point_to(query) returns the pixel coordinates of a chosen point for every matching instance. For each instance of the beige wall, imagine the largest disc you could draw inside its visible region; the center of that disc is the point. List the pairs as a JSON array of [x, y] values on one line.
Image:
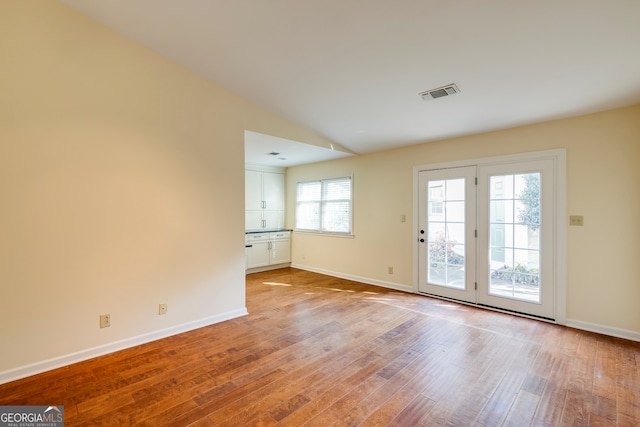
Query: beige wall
[[121, 187], [603, 172]]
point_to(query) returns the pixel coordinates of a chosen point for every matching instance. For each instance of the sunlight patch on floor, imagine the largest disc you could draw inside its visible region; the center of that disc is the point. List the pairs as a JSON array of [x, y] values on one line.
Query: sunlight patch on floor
[[452, 306]]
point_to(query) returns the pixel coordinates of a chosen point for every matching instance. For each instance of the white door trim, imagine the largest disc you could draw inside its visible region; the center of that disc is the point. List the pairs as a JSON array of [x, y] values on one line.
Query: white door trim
[[560, 243]]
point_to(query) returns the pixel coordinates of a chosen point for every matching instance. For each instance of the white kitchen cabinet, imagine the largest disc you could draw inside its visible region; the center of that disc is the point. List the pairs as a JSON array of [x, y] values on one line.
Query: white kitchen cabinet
[[253, 220], [252, 190], [280, 251], [264, 200], [258, 255], [273, 191], [268, 249], [263, 220]]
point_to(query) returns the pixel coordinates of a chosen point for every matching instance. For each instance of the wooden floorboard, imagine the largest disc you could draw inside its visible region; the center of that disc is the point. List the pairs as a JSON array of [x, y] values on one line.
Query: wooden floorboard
[[321, 351]]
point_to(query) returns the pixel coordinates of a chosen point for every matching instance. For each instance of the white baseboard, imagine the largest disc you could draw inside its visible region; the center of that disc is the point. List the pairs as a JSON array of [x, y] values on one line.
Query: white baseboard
[[267, 268], [604, 330], [58, 362], [381, 283]]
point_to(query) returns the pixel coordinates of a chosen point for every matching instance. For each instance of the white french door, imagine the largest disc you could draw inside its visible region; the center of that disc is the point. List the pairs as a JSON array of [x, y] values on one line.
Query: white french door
[[516, 242], [487, 235], [447, 218]]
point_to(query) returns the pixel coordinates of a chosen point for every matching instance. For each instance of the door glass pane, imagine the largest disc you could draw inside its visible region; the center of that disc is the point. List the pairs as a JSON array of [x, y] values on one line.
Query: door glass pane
[[514, 242], [454, 211], [501, 211], [436, 231], [455, 233], [446, 232]]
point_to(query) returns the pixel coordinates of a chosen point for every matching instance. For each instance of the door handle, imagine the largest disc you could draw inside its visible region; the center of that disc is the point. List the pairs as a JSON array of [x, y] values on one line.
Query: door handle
[[421, 240]]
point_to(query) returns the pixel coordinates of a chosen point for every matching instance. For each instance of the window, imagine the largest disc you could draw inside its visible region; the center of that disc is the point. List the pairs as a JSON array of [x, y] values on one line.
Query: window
[[324, 206]]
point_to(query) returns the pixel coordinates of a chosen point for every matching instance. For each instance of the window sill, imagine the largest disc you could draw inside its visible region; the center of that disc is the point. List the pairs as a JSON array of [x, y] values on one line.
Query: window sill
[[326, 234]]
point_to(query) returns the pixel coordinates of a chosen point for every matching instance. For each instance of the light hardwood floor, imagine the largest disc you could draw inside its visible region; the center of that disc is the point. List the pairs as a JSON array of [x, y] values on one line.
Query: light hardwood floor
[[318, 351]]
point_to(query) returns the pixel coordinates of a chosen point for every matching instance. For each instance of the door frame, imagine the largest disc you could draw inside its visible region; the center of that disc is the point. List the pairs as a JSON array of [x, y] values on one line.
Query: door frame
[[560, 217]]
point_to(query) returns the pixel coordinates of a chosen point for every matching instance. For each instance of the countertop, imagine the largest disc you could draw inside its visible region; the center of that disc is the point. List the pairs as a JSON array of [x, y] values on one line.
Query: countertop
[[273, 230]]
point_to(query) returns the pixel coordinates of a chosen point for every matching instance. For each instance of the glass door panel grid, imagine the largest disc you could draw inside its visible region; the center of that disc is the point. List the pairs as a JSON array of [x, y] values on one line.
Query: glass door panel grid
[[446, 232], [514, 236]]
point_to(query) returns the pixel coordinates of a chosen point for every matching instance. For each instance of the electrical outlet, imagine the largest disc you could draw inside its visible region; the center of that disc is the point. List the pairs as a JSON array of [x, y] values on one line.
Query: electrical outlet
[[403, 218], [105, 320], [162, 309], [577, 220], [390, 270]]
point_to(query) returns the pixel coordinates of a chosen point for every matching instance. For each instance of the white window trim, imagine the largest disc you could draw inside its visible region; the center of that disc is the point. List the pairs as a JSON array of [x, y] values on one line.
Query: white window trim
[[349, 234]]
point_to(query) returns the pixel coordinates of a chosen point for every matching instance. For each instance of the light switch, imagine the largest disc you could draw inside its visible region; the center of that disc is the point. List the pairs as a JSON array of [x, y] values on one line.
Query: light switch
[[577, 220]]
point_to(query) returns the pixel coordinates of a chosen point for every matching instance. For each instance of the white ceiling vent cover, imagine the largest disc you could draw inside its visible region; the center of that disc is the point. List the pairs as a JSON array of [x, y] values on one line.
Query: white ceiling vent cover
[[439, 92]]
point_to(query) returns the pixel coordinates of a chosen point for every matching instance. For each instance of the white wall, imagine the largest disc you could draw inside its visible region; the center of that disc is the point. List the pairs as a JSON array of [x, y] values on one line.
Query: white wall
[[603, 152]]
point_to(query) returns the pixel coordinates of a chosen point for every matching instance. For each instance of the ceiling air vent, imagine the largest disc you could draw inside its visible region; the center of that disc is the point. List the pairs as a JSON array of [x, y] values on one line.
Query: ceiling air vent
[[439, 92]]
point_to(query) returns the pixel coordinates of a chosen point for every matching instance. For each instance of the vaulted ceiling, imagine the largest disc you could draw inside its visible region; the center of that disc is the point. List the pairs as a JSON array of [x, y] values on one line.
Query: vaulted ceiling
[[352, 69]]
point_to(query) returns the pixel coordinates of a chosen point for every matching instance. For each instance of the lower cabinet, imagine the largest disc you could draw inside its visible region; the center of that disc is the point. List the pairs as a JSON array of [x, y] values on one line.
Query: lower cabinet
[[280, 251], [257, 254], [268, 249]]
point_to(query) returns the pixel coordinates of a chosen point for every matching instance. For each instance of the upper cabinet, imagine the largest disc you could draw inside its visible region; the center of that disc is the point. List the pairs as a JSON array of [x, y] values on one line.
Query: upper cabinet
[[273, 191], [252, 190], [264, 200]]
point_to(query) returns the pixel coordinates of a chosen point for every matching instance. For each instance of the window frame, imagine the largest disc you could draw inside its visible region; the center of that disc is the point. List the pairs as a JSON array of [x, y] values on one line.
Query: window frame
[[322, 201]]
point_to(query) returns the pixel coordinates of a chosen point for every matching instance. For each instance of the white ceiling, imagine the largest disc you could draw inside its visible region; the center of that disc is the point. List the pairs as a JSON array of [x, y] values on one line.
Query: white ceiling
[[351, 69], [261, 149]]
